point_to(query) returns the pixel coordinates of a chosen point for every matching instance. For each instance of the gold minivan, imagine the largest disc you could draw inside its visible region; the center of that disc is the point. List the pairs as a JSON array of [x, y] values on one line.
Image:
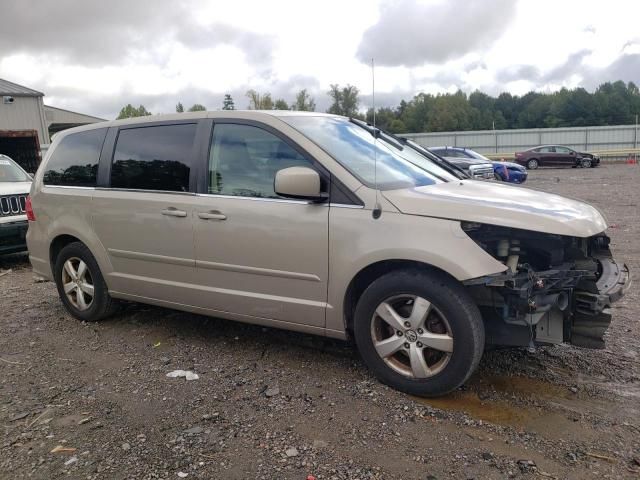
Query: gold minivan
[[320, 224]]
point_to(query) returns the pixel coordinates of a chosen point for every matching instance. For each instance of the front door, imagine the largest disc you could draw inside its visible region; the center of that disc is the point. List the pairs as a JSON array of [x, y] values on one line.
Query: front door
[[565, 156], [258, 254], [145, 219]]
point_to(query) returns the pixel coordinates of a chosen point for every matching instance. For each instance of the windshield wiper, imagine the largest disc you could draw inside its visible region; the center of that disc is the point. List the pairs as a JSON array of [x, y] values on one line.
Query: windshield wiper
[[379, 133], [448, 166]]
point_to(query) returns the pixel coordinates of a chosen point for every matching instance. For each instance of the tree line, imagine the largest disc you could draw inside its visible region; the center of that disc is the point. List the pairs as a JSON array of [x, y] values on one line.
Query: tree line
[[612, 103]]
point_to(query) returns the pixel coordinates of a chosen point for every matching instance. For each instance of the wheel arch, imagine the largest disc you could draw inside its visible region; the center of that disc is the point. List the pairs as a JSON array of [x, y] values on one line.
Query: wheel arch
[[63, 238], [372, 272], [533, 158]]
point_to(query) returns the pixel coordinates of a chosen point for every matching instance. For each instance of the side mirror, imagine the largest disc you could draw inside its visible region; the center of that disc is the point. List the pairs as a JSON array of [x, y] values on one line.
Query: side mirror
[[299, 182]]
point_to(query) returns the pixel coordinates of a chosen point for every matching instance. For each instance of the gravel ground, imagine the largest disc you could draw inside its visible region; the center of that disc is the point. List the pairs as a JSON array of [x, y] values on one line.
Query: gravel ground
[[93, 400]]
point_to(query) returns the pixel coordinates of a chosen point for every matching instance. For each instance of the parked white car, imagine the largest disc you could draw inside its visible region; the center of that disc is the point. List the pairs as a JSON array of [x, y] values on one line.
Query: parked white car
[[14, 189]]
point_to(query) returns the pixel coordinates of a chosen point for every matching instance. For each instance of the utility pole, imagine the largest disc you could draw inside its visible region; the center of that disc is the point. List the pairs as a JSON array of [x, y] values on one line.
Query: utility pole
[[635, 140], [495, 134]]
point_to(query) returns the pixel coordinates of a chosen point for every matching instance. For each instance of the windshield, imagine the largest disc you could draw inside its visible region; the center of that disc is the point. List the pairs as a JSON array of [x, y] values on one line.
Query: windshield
[[11, 172], [476, 155], [355, 148]]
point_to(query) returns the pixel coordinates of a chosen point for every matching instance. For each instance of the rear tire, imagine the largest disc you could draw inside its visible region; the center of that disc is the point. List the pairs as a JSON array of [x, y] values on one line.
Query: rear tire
[[80, 284], [431, 338], [532, 164]]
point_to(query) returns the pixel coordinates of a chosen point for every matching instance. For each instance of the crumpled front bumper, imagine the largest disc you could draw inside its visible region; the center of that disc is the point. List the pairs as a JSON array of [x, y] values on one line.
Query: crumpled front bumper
[[592, 314]]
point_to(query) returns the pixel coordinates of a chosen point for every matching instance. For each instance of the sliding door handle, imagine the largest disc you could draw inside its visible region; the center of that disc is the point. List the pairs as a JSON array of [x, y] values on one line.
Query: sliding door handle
[[212, 215], [174, 212]]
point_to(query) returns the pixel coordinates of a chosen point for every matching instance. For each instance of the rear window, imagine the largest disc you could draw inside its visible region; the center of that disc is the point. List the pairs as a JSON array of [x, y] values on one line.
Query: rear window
[[74, 162], [154, 158]]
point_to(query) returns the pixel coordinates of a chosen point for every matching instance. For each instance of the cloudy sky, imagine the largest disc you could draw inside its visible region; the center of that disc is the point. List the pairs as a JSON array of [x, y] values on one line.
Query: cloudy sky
[[95, 56]]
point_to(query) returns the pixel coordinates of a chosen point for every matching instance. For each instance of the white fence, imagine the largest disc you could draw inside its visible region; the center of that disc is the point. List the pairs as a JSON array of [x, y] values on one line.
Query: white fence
[[611, 142]]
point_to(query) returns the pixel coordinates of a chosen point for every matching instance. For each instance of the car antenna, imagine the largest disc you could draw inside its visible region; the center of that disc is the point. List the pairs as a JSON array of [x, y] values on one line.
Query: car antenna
[[377, 209]]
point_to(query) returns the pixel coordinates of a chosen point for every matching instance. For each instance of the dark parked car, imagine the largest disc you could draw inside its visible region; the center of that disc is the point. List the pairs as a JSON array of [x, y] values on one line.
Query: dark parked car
[[503, 171], [556, 156]]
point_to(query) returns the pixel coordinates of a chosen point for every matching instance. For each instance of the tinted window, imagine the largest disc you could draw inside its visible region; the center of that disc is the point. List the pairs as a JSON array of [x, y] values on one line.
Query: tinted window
[[546, 150], [564, 150], [154, 158], [74, 162], [244, 160]]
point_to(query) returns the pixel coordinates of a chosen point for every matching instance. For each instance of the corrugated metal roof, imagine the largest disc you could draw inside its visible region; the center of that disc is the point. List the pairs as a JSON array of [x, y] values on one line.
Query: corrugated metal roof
[[10, 88]]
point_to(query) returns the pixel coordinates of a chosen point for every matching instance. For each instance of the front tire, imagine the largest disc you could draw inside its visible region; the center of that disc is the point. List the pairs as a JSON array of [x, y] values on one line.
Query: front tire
[[532, 164], [586, 163], [80, 284], [419, 332]]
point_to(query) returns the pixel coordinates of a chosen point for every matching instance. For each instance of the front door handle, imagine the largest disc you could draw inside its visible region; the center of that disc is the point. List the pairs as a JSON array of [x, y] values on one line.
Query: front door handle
[[212, 215], [174, 212]]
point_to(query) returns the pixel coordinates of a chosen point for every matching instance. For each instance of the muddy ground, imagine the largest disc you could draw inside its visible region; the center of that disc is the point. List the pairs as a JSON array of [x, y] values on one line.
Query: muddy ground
[[278, 405]]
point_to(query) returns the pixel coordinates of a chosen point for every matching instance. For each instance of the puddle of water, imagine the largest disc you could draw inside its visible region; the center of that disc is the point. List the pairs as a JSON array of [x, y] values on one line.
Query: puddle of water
[[486, 410], [501, 412]]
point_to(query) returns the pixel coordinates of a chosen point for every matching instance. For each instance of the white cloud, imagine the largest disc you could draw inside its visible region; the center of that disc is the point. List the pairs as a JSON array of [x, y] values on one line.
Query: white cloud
[[94, 59]]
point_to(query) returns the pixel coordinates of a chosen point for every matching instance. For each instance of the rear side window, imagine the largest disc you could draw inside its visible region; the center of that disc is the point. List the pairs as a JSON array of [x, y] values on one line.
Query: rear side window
[[154, 158], [74, 162]]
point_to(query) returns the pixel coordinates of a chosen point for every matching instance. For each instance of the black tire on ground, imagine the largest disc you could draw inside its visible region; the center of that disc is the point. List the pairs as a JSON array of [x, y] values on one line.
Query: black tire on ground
[[496, 176], [449, 298], [101, 305], [586, 163], [532, 164]]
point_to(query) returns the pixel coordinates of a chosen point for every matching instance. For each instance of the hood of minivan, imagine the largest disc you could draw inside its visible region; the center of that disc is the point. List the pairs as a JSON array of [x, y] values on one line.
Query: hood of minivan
[[14, 188], [495, 203]]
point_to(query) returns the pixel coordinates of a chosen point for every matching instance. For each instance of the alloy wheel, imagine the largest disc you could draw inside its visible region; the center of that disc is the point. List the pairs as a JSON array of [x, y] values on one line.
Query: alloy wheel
[[411, 336], [532, 164], [77, 283]]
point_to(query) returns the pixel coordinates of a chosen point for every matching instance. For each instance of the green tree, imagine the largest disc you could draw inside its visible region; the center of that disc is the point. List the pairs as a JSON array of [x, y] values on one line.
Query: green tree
[[197, 107], [179, 108], [281, 105], [129, 111], [227, 103], [258, 101], [345, 100], [304, 102]]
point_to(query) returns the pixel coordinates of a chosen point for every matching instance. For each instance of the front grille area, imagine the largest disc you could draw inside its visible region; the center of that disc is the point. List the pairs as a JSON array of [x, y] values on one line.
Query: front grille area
[[480, 171], [13, 205]]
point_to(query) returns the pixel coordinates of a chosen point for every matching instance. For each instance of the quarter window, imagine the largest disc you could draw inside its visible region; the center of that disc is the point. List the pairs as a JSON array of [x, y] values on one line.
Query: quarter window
[[154, 158], [243, 161], [74, 162]]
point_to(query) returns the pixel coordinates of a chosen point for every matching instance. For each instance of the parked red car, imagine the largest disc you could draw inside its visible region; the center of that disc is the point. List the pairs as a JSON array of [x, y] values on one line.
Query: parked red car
[[556, 156]]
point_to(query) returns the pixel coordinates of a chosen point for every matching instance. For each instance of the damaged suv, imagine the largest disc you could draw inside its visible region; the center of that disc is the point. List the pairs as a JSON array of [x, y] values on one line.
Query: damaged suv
[[320, 224]]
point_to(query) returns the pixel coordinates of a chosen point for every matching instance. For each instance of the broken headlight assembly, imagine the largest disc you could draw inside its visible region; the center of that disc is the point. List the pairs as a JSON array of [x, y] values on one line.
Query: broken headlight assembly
[[555, 288]]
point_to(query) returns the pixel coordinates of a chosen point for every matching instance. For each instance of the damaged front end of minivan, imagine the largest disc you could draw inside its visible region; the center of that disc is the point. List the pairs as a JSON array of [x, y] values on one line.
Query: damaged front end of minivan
[[555, 289]]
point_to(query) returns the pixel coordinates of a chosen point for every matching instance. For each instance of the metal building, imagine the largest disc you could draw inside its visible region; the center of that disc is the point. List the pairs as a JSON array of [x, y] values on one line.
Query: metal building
[[22, 109], [26, 123]]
